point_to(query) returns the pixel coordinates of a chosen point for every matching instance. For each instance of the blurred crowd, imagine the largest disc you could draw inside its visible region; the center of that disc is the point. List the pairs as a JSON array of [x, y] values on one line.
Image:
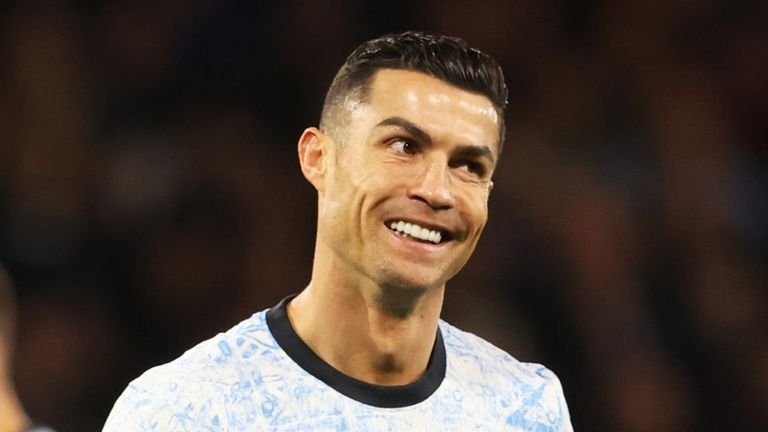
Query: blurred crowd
[[150, 195]]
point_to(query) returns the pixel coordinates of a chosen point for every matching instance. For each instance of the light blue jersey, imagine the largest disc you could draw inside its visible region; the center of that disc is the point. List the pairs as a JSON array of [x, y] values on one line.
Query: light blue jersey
[[259, 376]]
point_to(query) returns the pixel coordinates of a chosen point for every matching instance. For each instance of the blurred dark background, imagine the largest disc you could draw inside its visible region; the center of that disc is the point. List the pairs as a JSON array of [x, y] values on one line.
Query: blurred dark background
[[150, 195]]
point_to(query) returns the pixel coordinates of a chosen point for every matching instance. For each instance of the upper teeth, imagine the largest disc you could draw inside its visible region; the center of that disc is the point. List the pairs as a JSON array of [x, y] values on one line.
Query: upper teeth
[[416, 231]]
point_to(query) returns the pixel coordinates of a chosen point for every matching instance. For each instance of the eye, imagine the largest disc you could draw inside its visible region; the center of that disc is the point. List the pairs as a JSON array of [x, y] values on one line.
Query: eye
[[472, 167], [402, 146]]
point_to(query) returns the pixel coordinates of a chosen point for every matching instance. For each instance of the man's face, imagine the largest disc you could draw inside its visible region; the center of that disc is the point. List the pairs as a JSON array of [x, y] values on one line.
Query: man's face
[[405, 195]]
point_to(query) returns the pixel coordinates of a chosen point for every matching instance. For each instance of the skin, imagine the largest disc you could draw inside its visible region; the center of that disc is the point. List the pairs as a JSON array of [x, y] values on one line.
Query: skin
[[12, 415], [420, 150]]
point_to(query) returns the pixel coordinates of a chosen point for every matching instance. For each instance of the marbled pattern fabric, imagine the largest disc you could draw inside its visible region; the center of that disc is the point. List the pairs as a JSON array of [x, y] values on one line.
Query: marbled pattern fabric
[[242, 380]]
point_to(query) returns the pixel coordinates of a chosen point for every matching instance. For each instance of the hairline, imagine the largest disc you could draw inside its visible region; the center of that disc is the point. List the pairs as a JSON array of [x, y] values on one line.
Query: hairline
[[330, 121]]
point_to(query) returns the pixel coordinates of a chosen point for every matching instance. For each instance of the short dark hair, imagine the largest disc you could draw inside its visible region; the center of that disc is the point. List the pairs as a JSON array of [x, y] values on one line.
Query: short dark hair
[[447, 58]]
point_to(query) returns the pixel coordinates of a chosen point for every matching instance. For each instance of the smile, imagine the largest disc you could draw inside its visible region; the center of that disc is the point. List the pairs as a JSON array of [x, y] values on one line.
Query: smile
[[417, 232]]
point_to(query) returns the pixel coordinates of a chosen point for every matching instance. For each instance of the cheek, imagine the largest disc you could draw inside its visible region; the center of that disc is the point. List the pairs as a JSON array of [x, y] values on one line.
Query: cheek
[[358, 168], [356, 191], [481, 219], [477, 207]]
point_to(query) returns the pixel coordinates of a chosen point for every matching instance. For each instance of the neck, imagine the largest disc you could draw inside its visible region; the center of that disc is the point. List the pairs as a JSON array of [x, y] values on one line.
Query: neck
[[377, 334]]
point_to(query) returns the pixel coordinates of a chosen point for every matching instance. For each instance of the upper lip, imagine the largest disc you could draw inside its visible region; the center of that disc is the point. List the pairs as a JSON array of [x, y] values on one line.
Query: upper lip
[[446, 232]]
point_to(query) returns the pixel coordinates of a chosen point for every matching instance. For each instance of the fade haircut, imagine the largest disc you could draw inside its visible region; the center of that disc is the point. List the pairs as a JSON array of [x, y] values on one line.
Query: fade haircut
[[447, 58]]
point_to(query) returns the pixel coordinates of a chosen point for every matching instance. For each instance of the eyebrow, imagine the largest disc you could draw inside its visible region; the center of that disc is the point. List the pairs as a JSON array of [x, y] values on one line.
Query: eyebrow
[[409, 127], [470, 151]]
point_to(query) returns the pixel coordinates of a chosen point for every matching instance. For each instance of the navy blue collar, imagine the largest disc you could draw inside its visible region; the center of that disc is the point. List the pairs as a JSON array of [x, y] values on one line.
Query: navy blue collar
[[369, 394]]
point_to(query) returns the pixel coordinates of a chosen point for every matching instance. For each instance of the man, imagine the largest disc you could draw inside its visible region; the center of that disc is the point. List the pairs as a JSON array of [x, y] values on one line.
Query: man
[[409, 137], [13, 418]]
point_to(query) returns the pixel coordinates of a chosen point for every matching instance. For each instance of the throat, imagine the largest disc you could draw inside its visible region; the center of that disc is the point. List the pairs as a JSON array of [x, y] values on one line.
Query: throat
[[387, 364], [389, 371]]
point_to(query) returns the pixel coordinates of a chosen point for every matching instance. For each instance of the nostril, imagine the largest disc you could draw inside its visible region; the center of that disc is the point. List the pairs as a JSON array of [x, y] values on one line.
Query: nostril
[[435, 204]]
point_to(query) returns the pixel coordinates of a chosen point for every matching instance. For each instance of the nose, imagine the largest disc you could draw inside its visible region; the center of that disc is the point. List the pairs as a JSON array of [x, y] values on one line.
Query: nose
[[432, 186]]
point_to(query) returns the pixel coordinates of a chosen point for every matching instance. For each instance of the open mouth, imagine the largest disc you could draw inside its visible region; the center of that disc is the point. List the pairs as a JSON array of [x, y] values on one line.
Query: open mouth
[[418, 233]]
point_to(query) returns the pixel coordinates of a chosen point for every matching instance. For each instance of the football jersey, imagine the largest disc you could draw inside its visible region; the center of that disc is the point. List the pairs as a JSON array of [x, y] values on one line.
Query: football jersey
[[260, 376]]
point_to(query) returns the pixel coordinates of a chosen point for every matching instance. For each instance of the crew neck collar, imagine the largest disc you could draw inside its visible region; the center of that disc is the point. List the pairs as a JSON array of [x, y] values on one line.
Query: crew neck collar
[[363, 392]]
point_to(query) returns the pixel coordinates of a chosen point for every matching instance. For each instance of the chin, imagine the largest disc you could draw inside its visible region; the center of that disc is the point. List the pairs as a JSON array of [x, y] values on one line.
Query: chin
[[401, 279], [400, 292]]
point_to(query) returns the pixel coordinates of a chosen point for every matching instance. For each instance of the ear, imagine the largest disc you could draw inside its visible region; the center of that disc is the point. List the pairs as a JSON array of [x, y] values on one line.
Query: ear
[[313, 156]]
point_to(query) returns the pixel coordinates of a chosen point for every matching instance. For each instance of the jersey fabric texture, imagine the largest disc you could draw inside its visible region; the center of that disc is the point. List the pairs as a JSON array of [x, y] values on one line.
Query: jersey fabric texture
[[260, 376]]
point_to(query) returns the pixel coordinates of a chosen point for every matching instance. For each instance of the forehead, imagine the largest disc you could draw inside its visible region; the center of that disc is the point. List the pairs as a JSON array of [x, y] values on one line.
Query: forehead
[[434, 104]]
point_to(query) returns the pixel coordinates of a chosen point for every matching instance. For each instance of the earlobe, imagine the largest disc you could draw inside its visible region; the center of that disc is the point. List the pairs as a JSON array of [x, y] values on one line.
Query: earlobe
[[312, 157]]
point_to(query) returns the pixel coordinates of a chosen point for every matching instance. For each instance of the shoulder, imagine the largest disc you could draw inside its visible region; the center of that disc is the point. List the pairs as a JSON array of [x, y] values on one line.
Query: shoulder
[[191, 390], [474, 352], [530, 391]]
